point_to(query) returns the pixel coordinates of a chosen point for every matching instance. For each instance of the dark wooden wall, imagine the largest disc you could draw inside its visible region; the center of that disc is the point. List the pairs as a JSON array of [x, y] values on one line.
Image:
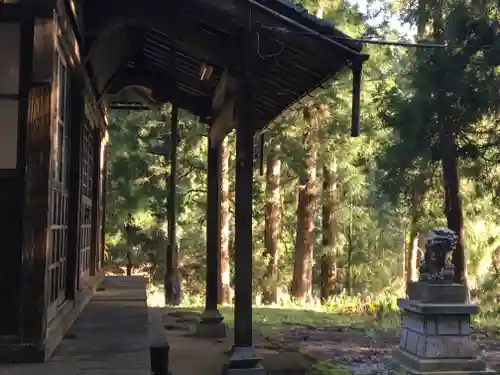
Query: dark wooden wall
[[12, 193], [24, 193], [11, 199]]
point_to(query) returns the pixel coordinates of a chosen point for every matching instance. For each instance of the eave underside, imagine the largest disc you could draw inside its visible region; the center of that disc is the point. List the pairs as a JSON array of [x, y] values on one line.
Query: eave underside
[[162, 46]]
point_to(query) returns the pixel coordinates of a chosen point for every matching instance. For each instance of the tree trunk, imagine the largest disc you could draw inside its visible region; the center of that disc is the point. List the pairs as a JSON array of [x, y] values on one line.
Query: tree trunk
[[417, 199], [449, 162], [453, 205], [349, 280], [129, 264], [272, 224], [302, 270], [225, 290], [411, 265], [328, 259]]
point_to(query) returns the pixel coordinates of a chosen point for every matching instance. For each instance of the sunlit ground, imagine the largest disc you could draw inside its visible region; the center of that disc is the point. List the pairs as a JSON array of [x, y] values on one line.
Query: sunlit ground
[[339, 336], [268, 318], [279, 316]]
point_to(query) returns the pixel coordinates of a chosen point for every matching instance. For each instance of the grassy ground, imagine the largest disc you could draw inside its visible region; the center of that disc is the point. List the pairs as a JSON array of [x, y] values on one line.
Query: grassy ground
[[343, 332], [268, 317], [277, 317]]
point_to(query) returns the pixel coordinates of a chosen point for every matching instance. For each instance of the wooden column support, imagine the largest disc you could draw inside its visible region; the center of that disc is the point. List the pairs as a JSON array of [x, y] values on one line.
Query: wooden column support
[[171, 143], [37, 170], [104, 182], [211, 320], [244, 355], [213, 225], [96, 174], [243, 234], [77, 115]]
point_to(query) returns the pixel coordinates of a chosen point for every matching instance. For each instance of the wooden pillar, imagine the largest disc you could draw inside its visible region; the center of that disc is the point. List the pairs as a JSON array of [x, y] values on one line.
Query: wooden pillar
[[96, 178], [244, 356], [243, 235], [210, 324], [77, 115], [213, 226], [36, 206], [104, 181], [170, 288]]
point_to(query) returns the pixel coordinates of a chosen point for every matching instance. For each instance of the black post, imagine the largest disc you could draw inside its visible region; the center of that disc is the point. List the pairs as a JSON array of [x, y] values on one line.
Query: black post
[[213, 227], [210, 324], [96, 202], [244, 355], [104, 186], [356, 96], [243, 236], [356, 66], [170, 292], [77, 116]]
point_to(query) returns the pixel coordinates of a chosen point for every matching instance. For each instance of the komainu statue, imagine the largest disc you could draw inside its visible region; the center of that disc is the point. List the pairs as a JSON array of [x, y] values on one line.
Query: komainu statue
[[439, 246]]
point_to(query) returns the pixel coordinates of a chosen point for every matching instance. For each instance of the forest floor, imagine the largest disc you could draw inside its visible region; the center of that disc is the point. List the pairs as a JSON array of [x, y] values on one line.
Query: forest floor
[[358, 344], [347, 344]]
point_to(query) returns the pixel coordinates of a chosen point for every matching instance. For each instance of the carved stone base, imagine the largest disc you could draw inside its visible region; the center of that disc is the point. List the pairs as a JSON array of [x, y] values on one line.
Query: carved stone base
[[258, 370], [437, 292], [414, 365], [244, 361], [435, 338], [210, 325]]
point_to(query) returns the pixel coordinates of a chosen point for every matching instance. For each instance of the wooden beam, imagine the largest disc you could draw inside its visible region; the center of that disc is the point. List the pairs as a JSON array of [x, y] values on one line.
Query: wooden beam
[[163, 90], [72, 43], [135, 38], [224, 123], [103, 64], [223, 108], [12, 10], [226, 86], [170, 19]]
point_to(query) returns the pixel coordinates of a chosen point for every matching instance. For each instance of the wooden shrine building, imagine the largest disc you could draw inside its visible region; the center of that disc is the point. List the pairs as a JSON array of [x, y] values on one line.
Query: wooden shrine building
[[64, 64]]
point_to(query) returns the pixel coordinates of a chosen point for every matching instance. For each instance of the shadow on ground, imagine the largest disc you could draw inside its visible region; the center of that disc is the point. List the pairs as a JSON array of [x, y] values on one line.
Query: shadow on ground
[[357, 344]]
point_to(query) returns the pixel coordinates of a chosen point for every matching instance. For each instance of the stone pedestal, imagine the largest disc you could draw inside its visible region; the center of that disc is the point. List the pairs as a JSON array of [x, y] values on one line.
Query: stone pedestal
[[244, 361], [211, 325], [211, 330], [436, 332]]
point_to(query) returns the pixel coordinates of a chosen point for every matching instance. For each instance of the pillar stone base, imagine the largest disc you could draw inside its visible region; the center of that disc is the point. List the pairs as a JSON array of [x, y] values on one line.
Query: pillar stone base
[[211, 330], [436, 335], [211, 325], [244, 361]]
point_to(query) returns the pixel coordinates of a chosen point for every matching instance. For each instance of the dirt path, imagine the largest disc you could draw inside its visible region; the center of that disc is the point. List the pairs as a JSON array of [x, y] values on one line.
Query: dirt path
[[364, 351]]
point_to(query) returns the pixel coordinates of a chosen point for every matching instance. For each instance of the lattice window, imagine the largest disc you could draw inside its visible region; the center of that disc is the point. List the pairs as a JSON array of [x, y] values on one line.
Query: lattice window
[[87, 161], [86, 200], [58, 236]]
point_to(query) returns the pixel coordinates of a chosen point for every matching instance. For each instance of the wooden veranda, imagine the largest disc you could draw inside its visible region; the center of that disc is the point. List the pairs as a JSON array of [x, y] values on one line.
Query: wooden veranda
[[237, 64]]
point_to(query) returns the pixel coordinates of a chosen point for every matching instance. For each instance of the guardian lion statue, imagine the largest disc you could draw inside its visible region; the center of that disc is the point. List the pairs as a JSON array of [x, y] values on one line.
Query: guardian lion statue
[[440, 244]]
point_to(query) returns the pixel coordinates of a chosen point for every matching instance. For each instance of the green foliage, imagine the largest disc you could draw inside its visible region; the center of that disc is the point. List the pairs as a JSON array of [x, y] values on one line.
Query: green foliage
[[377, 174]]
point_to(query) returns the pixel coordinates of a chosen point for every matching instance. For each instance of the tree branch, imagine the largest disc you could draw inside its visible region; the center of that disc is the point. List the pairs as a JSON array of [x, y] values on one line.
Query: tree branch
[[201, 191]]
